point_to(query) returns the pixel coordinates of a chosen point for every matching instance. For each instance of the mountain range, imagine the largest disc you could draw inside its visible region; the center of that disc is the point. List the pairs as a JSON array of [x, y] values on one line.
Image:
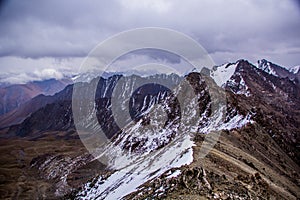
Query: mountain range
[[155, 151], [13, 96]]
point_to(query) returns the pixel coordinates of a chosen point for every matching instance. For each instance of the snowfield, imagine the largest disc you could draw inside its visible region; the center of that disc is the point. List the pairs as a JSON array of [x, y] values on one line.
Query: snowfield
[[223, 73]]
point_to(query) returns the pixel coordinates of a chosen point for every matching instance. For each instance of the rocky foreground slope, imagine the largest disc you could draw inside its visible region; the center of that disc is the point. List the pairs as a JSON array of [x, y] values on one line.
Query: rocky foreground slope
[[255, 156]]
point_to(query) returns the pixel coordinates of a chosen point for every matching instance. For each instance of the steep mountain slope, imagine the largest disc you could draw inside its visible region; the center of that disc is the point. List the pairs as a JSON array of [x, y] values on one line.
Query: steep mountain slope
[[13, 96], [17, 115], [239, 167], [274, 102], [295, 69], [277, 70]]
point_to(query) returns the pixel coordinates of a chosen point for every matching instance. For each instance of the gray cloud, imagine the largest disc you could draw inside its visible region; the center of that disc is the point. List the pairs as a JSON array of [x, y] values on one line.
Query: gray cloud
[[228, 30]]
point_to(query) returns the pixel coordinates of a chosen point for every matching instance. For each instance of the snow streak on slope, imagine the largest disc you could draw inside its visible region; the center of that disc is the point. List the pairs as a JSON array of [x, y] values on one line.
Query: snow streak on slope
[[178, 153], [238, 121], [266, 66], [223, 73], [238, 85], [295, 69]]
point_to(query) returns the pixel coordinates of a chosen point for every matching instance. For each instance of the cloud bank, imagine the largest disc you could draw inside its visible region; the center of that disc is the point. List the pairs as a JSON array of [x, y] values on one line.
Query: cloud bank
[[38, 35]]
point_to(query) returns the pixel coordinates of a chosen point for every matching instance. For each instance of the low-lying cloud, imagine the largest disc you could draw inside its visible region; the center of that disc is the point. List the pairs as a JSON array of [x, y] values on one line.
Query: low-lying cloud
[[25, 77]]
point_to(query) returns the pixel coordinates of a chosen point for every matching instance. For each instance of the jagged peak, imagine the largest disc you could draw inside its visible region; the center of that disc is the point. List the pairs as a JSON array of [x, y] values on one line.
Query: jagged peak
[[276, 70], [266, 66], [242, 61], [227, 64], [222, 73], [262, 63], [269, 67], [295, 69]]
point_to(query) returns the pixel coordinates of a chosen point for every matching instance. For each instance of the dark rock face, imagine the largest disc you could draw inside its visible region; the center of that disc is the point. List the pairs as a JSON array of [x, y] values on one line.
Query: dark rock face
[[56, 114], [143, 96]]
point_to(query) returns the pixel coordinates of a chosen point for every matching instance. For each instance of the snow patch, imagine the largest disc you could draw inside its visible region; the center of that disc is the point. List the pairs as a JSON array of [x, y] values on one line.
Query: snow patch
[[295, 69], [238, 121], [223, 73], [174, 174], [244, 89], [266, 66], [241, 86]]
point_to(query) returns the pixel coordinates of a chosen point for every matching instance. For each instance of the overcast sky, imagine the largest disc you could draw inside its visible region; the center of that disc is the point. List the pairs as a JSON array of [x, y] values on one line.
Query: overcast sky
[[41, 39]]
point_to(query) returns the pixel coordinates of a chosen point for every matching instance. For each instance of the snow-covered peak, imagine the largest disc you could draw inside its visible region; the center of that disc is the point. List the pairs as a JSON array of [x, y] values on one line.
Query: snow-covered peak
[[266, 66], [221, 74], [295, 69]]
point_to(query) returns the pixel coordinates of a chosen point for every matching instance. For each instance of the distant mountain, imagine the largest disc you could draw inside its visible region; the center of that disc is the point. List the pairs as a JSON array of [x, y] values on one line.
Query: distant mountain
[[20, 113], [277, 70], [42, 108], [13, 96]]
